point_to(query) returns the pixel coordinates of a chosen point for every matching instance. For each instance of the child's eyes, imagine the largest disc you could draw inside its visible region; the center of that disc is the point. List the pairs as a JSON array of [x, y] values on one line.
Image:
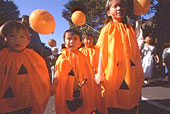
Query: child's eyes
[[68, 38], [75, 38], [22, 36]]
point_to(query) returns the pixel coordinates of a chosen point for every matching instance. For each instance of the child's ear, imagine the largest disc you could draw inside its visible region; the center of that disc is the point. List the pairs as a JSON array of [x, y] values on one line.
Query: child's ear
[[28, 40], [80, 44], [65, 44], [108, 13]]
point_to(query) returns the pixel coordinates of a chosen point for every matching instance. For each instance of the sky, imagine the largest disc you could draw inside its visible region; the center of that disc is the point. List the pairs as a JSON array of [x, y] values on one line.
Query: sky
[[54, 7]]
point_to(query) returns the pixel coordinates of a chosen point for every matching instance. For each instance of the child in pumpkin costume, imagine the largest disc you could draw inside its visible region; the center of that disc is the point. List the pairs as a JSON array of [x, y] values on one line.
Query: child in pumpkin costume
[[90, 51], [24, 78], [120, 68], [74, 79]]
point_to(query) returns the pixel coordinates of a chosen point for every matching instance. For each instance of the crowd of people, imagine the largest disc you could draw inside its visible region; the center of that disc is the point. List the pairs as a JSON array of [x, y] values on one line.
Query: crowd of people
[[105, 78]]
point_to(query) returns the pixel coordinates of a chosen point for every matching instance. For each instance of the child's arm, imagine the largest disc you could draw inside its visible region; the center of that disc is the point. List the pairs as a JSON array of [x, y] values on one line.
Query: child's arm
[[53, 85], [99, 77]]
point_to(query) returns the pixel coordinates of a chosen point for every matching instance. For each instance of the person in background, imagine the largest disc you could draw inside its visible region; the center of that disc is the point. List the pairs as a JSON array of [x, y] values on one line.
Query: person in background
[[73, 83], [52, 60], [24, 78], [90, 51], [149, 58], [119, 66], [166, 60]]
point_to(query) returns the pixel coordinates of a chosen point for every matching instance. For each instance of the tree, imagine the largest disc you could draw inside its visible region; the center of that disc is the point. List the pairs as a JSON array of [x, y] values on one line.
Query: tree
[[158, 26], [8, 11], [95, 13], [162, 20]]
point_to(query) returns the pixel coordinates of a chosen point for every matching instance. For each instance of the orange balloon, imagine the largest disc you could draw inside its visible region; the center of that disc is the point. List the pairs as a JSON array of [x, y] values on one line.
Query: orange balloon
[[141, 7], [42, 21], [78, 18], [52, 42]]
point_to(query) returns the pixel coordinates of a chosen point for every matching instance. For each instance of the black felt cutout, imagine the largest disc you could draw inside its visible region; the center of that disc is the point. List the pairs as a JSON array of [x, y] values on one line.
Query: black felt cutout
[[124, 85], [131, 63], [8, 93], [22, 70], [71, 73], [22, 111], [74, 104]]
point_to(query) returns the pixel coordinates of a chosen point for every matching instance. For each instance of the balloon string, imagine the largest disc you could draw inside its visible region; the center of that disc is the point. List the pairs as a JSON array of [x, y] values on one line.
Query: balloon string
[[92, 27]]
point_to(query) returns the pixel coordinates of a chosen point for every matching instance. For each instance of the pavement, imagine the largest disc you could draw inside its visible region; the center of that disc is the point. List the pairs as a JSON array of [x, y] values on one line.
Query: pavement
[[50, 109], [155, 98]]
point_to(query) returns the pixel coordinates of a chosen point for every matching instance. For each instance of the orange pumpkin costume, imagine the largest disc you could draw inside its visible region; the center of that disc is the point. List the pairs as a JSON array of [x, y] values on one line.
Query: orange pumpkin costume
[[122, 66], [93, 54], [72, 69], [24, 82]]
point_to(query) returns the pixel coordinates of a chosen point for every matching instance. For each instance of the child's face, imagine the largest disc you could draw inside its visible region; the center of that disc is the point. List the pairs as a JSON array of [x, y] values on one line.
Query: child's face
[[88, 41], [72, 41], [148, 40], [117, 10], [17, 40]]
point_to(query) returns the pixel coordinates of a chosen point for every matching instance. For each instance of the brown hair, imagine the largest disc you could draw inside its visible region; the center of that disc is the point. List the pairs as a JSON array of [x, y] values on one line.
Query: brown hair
[[149, 40], [86, 35], [10, 25], [72, 32]]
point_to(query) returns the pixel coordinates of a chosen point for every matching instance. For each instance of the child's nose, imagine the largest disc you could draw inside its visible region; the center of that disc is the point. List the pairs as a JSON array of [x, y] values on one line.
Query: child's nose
[[17, 38], [118, 8], [71, 41]]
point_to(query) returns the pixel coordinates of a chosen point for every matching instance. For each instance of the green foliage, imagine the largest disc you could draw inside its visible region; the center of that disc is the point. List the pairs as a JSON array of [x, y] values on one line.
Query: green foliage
[[158, 26], [94, 11], [8, 11], [162, 20]]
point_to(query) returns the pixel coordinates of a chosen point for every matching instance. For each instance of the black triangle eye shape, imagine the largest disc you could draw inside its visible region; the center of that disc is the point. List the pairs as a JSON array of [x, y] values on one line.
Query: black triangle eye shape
[[131, 63], [22, 70], [124, 86], [71, 73], [9, 93]]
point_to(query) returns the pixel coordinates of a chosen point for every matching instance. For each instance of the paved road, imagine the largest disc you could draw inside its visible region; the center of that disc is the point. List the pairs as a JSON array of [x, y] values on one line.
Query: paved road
[[50, 109], [155, 99]]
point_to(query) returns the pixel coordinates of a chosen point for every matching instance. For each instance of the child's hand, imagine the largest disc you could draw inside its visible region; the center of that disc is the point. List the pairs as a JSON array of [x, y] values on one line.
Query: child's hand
[[52, 90], [53, 87], [99, 78]]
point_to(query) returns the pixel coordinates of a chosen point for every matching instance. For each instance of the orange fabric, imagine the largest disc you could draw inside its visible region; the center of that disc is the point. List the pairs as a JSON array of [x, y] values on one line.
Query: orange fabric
[[121, 63], [81, 67], [93, 54], [29, 86]]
